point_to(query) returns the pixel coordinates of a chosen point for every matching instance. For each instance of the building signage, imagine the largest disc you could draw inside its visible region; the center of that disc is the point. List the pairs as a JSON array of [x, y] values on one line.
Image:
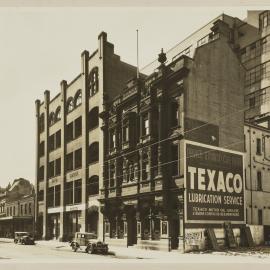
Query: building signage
[[214, 184], [74, 175]]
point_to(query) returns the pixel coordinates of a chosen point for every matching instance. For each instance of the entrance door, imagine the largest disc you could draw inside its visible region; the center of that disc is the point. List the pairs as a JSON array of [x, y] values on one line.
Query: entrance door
[[174, 233], [132, 231]]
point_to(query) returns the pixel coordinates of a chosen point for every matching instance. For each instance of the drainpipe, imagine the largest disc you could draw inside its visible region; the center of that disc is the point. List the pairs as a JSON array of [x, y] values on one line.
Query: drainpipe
[[250, 176]]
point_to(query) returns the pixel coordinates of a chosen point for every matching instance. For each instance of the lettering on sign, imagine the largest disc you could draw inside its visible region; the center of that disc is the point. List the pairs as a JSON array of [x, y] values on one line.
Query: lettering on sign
[[214, 182], [74, 175]]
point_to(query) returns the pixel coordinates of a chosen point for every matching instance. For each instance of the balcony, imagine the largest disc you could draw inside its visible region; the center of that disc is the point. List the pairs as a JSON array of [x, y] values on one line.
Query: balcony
[[130, 189]]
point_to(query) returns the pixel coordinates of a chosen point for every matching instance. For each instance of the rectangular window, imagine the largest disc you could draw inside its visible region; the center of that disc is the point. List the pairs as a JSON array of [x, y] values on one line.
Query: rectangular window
[[50, 197], [69, 160], [25, 209], [30, 208], [125, 134], [175, 162], [58, 166], [112, 139], [51, 169], [78, 158], [69, 193], [78, 191], [252, 102], [260, 217], [58, 139], [69, 131], [41, 149], [57, 195], [174, 114], [21, 210], [51, 143], [78, 127], [112, 176], [259, 180], [145, 168], [145, 125], [40, 195], [258, 146], [41, 173]]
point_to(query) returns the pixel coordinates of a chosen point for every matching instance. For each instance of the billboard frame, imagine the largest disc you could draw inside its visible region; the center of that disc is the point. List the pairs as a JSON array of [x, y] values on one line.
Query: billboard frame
[[211, 147]]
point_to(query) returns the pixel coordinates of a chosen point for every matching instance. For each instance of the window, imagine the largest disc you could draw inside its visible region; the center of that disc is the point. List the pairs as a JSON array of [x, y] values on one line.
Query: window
[[175, 162], [260, 217], [25, 209], [57, 195], [174, 115], [51, 119], [258, 146], [112, 175], [51, 169], [51, 143], [93, 152], [257, 73], [14, 211], [112, 139], [78, 191], [264, 19], [69, 131], [78, 158], [145, 167], [58, 114], [41, 173], [21, 210], [259, 180], [30, 208], [50, 197], [252, 102], [58, 166], [41, 149], [92, 186], [70, 105], [78, 127], [58, 139], [125, 133], [40, 195], [69, 159], [93, 81], [78, 98], [145, 125], [93, 118], [41, 123], [69, 193]]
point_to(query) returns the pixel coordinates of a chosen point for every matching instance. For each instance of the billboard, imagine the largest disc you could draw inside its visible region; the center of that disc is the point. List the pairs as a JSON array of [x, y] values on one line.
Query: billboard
[[214, 184]]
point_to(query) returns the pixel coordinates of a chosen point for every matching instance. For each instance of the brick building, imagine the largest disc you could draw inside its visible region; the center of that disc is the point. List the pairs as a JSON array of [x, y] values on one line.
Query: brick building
[[70, 145]]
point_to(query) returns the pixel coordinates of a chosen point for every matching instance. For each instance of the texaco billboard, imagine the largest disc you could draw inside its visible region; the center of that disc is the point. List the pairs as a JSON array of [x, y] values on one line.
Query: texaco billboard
[[214, 184]]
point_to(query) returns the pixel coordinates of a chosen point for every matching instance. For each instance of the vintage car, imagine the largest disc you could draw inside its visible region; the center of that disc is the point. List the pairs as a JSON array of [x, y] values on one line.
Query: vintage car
[[88, 242], [24, 238]]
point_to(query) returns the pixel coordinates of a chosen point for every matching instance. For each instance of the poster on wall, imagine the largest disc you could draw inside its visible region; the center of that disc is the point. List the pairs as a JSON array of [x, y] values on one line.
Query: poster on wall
[[214, 184]]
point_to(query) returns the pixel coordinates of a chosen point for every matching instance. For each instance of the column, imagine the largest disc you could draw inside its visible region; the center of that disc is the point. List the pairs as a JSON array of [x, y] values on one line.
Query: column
[[63, 232], [138, 227], [46, 159], [85, 136]]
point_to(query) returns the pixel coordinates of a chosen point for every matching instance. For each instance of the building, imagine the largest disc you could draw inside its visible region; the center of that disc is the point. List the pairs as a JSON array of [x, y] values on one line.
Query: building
[[70, 145], [17, 208], [145, 129], [257, 145]]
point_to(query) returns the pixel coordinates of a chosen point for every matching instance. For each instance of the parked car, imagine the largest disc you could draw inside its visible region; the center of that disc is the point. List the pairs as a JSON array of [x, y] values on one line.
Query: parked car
[[24, 238], [88, 242]]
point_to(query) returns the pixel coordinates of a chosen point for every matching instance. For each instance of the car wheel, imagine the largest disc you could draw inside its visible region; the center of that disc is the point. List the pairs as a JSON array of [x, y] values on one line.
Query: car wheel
[[74, 247], [91, 250], [15, 241]]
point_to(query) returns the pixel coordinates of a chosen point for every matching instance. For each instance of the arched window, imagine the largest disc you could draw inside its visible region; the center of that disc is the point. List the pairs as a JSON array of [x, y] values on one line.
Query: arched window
[[93, 81], [93, 118], [93, 152], [58, 114], [93, 185], [70, 105], [51, 118], [78, 98]]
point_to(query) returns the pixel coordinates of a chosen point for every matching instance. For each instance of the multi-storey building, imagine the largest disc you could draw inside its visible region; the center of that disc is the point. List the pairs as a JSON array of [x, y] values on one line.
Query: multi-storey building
[[17, 208], [70, 145], [144, 132], [257, 146]]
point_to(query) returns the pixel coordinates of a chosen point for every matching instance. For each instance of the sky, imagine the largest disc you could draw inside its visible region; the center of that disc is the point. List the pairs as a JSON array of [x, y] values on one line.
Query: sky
[[39, 47]]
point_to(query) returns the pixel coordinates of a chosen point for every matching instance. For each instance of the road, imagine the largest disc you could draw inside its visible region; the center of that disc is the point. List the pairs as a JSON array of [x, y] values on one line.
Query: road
[[46, 254]]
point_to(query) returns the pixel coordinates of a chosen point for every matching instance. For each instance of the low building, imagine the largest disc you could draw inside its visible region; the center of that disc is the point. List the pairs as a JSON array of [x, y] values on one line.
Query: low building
[[257, 171], [18, 204]]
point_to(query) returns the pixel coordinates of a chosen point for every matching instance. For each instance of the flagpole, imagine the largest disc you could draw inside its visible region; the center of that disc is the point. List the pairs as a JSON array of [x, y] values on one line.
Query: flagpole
[[137, 53]]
